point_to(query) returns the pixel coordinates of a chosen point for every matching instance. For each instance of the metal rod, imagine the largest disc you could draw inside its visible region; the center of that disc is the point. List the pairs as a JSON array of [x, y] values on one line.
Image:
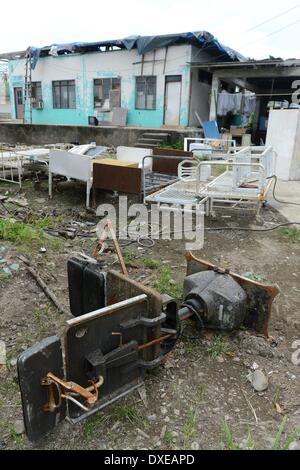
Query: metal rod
[[106, 310], [154, 342]]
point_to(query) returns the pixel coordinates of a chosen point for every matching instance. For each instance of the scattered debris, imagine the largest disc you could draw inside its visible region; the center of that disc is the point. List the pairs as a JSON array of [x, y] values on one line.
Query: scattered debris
[[294, 445], [195, 446], [19, 427], [43, 285], [259, 380], [2, 353], [19, 202], [279, 409], [256, 346], [143, 395], [163, 431], [143, 434]]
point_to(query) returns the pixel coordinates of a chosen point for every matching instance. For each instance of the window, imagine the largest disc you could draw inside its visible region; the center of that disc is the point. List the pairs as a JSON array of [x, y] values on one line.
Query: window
[[36, 93], [64, 94], [107, 93], [145, 92], [19, 96]]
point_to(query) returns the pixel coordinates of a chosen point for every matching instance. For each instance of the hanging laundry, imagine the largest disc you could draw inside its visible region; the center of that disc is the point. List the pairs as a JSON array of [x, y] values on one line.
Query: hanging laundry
[[249, 104], [229, 102]]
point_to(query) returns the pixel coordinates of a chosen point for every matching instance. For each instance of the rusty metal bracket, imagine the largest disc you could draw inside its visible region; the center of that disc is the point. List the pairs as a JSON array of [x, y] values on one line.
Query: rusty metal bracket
[[69, 390], [142, 321], [101, 246]]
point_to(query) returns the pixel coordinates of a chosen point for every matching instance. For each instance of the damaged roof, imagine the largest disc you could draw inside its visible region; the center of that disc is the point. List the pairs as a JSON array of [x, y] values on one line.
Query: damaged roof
[[201, 39]]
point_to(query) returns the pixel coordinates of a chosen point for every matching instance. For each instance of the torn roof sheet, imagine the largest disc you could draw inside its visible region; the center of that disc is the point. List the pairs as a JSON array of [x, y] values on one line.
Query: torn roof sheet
[[144, 44]]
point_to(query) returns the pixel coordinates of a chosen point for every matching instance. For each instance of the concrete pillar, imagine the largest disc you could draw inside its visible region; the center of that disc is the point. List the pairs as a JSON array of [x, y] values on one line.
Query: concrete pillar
[[215, 87]]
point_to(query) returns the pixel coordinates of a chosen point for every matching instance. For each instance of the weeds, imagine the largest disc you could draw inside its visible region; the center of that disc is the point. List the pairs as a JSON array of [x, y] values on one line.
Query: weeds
[[18, 440], [37, 314], [231, 444], [217, 347], [189, 429], [177, 146], [93, 425], [294, 434], [122, 412], [46, 222], [165, 284], [25, 235], [255, 277], [201, 390], [20, 233], [168, 439], [291, 234]]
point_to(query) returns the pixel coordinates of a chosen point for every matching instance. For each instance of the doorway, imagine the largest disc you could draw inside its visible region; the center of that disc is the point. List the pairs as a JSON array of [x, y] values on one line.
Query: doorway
[[172, 100], [19, 102]]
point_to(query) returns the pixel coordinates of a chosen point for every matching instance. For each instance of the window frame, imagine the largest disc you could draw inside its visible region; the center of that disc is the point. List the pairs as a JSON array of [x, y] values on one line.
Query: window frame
[[35, 100], [146, 78], [60, 84], [110, 88]]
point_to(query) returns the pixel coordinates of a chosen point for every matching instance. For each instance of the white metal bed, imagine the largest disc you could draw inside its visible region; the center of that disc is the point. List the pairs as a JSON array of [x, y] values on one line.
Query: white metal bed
[[243, 183]]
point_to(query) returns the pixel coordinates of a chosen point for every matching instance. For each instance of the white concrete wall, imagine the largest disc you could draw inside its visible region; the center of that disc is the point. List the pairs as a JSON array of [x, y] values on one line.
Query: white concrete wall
[[4, 100], [200, 100], [284, 135]]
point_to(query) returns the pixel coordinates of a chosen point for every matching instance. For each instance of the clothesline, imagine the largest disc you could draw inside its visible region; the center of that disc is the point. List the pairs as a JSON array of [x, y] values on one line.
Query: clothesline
[[260, 94]]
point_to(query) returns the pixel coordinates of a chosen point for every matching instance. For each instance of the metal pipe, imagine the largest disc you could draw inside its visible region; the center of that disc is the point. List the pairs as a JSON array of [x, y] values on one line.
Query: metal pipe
[[106, 310]]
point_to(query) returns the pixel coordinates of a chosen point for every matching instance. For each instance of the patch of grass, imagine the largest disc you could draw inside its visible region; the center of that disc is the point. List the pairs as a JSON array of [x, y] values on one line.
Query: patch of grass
[[166, 285], [168, 439], [18, 440], [189, 429], [255, 277], [231, 444], [218, 346], [46, 222], [191, 347], [20, 233], [177, 146], [201, 390], [145, 261], [125, 412], [288, 441], [291, 234], [150, 263], [37, 314], [93, 425], [5, 277]]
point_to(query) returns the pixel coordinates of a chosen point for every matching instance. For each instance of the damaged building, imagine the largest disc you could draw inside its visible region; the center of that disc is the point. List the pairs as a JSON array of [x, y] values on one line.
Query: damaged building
[[148, 76]]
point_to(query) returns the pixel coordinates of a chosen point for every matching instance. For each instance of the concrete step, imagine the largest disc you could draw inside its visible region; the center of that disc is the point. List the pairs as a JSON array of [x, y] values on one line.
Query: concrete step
[[150, 141], [152, 135]]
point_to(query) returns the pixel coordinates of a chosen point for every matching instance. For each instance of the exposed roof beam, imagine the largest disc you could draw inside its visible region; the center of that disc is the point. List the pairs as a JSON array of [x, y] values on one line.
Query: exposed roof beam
[[258, 73]]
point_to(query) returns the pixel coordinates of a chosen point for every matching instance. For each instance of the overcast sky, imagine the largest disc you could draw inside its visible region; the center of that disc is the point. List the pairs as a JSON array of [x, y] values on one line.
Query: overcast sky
[[38, 23]]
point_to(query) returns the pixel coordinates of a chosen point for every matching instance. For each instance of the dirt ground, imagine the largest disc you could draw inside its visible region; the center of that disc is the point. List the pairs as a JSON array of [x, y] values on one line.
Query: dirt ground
[[203, 384]]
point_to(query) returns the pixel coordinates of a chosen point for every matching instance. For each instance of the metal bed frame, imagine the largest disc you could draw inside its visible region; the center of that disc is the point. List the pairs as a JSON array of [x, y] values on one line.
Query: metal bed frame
[[244, 184]]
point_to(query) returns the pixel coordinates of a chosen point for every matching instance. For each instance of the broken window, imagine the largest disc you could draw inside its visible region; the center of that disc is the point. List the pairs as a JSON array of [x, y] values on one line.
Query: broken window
[[36, 94], [107, 93], [64, 94], [145, 92]]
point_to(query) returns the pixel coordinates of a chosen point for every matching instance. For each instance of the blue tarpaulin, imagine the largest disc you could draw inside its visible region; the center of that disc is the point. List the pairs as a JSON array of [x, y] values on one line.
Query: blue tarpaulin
[[144, 44]]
